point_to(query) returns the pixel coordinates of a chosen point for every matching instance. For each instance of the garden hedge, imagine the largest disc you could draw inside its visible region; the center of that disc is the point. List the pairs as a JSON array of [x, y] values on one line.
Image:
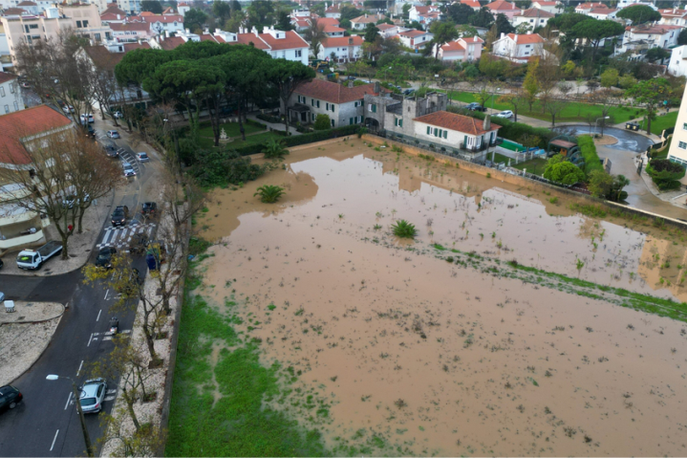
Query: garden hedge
[[295, 140], [588, 151], [665, 173]]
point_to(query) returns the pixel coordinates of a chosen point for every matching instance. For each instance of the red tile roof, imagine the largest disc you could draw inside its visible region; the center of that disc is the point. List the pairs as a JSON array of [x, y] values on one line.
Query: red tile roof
[[248, 38], [452, 46], [471, 3], [24, 123], [131, 46], [26, 3], [653, 29], [327, 21], [366, 19], [412, 33], [333, 92], [112, 9], [5, 77], [170, 43], [112, 17], [589, 6], [14, 12], [472, 39], [536, 13], [385, 26], [332, 29], [331, 42], [292, 40], [502, 5], [602, 10], [102, 58], [528, 38], [138, 26], [453, 121]]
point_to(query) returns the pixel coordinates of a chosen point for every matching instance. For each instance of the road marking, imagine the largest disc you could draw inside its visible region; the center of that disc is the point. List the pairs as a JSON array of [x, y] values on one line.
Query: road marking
[[53, 441], [69, 398], [101, 310], [80, 366], [106, 293], [89, 340]]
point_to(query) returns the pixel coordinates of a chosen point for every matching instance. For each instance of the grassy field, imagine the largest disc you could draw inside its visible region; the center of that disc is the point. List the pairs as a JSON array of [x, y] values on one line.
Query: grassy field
[[535, 166], [663, 122], [573, 111], [207, 142], [231, 128], [234, 423]]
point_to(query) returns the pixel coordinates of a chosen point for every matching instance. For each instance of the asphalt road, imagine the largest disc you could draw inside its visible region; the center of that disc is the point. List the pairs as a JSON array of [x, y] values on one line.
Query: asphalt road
[[46, 423], [627, 140]]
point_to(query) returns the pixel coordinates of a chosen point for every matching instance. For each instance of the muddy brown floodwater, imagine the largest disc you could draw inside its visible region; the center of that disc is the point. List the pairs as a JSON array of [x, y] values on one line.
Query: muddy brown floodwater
[[413, 355]]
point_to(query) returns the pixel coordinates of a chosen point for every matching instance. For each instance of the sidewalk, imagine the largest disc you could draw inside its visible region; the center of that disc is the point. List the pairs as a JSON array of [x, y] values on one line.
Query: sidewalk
[[273, 126]]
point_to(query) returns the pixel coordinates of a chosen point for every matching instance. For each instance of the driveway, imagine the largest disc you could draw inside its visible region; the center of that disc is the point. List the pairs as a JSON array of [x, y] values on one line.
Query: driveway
[[630, 142]]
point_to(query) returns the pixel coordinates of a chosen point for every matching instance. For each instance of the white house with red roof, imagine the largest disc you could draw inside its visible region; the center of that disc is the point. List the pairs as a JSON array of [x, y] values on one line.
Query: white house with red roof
[[424, 14], [673, 16], [474, 4], [332, 30], [518, 48], [465, 49], [30, 7], [390, 30], [551, 7], [360, 22], [503, 7], [277, 43], [647, 36], [586, 8], [453, 131], [129, 32], [10, 94], [533, 17], [602, 13], [341, 49], [333, 11], [344, 105], [415, 39], [22, 131], [159, 23]]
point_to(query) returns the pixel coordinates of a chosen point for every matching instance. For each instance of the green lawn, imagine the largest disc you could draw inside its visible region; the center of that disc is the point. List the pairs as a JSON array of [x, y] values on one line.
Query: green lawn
[[208, 142], [231, 128], [573, 111], [663, 122], [535, 166]]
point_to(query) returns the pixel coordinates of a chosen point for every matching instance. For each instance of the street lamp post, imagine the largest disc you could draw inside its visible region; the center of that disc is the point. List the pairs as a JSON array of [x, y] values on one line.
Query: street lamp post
[[75, 392], [596, 124]]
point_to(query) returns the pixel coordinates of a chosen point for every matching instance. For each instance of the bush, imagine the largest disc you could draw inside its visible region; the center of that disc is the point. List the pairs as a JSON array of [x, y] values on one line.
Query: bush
[[588, 151], [322, 122], [510, 130], [561, 171], [269, 193], [274, 150], [218, 168], [269, 118], [404, 229], [665, 173]]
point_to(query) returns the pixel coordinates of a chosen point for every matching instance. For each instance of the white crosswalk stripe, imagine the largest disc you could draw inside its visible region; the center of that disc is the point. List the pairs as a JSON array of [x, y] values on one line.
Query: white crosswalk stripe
[[120, 237]]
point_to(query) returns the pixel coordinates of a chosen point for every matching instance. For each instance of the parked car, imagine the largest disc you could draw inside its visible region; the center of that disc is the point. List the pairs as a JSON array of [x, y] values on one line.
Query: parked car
[[119, 215], [70, 200], [10, 396], [25, 85], [113, 134], [128, 170], [111, 151], [504, 114], [117, 114], [104, 258], [87, 117], [142, 157], [408, 91], [474, 106], [93, 395], [68, 109], [149, 208], [91, 131]]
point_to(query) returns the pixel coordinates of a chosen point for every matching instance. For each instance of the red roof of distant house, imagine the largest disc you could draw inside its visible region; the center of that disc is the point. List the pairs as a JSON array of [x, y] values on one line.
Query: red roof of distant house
[[528, 38], [472, 39], [589, 6], [453, 121], [471, 3], [14, 12], [132, 46], [412, 33], [333, 92], [104, 59], [653, 29], [112, 9], [25, 123], [672, 12], [385, 26], [547, 3], [291, 41], [366, 19], [129, 26], [5, 77], [452, 46], [330, 42], [170, 43], [327, 21], [332, 29], [502, 5], [26, 3], [152, 18], [423, 9], [604, 11], [536, 13], [248, 38]]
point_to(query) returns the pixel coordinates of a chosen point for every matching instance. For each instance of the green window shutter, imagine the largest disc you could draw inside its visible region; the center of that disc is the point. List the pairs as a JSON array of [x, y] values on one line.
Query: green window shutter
[[465, 141], [400, 123], [332, 108], [326, 107], [395, 121], [312, 102], [436, 132], [318, 104], [428, 130], [445, 134], [350, 121], [374, 108]]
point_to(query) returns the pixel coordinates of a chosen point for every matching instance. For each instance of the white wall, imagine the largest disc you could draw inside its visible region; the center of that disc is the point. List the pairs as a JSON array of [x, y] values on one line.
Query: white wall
[[10, 97]]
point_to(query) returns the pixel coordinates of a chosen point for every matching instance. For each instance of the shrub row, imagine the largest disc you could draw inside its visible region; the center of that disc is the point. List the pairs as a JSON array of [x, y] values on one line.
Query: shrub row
[[294, 140], [510, 130], [588, 151], [269, 118]]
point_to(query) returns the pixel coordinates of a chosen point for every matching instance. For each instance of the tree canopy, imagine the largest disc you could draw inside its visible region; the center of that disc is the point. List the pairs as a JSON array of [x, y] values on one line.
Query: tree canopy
[[194, 19], [639, 14]]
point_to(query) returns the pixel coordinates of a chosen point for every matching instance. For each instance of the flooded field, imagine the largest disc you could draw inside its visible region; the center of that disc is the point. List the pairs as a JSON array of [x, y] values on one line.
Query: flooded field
[[496, 332]]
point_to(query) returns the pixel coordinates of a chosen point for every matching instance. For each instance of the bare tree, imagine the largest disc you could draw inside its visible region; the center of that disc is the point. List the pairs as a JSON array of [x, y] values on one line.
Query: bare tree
[[146, 441], [517, 98], [104, 89], [53, 167]]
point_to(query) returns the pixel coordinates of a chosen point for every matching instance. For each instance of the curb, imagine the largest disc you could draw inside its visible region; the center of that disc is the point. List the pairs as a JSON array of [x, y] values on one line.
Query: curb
[[64, 309]]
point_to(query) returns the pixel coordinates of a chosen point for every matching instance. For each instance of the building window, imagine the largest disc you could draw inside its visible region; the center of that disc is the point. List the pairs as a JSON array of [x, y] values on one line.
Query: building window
[[395, 121], [7, 108], [332, 123], [436, 132], [445, 134], [78, 24], [2, 91], [318, 104], [312, 116], [681, 145], [85, 23], [429, 130], [332, 108], [299, 53], [400, 123], [374, 108], [326, 106], [11, 88], [16, 106], [684, 126], [97, 37]]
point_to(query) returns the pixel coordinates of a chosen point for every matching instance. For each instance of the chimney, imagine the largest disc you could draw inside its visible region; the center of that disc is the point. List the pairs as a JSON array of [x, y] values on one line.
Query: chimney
[[486, 125], [516, 37], [377, 88], [350, 40], [503, 34]]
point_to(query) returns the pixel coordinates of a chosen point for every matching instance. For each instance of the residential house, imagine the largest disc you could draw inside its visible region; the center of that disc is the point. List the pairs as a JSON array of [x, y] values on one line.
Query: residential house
[[130, 6], [341, 49], [389, 30], [503, 7], [586, 8], [10, 94], [183, 8], [533, 17], [300, 19], [113, 15], [277, 43], [131, 31], [551, 7], [30, 7], [474, 4], [673, 16], [602, 13], [415, 39], [332, 30], [678, 61], [360, 22], [159, 23], [22, 130], [638, 39], [678, 146], [518, 48], [462, 50], [28, 29], [425, 15], [333, 11], [5, 57], [10, 12], [344, 105], [86, 21], [394, 113], [41, 4], [625, 3]]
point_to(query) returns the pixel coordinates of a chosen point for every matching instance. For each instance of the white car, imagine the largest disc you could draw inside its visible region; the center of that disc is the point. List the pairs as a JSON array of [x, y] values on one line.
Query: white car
[[112, 134], [87, 118], [142, 157], [93, 395], [68, 109], [117, 114], [504, 114], [128, 170]]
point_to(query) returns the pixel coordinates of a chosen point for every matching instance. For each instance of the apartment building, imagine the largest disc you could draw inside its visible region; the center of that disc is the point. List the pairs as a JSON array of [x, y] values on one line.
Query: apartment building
[[10, 94], [678, 146]]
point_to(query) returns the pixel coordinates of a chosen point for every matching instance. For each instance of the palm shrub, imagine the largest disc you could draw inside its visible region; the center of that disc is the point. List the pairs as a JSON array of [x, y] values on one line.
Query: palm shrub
[[269, 193], [404, 229], [274, 149]]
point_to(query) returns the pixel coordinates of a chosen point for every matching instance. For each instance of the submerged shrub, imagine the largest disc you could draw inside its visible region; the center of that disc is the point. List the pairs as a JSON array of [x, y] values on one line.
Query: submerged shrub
[[404, 229]]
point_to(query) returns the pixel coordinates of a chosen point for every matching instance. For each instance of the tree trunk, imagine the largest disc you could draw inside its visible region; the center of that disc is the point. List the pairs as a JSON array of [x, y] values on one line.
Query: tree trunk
[[82, 210], [239, 105], [130, 408], [286, 112]]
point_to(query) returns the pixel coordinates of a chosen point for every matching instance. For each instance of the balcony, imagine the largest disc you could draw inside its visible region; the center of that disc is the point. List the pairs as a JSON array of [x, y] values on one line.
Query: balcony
[[475, 149]]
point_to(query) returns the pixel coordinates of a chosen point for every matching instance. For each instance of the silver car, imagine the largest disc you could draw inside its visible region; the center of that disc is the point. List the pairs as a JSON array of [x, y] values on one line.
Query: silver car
[[92, 395], [128, 170]]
